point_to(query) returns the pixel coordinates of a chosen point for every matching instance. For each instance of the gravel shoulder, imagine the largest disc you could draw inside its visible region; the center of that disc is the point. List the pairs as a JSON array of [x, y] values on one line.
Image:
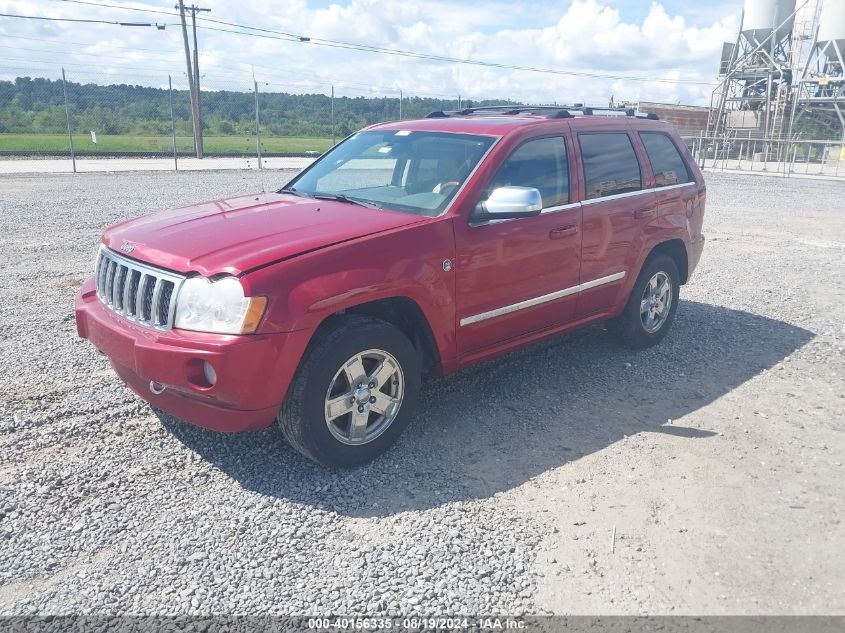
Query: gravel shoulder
[[716, 458]]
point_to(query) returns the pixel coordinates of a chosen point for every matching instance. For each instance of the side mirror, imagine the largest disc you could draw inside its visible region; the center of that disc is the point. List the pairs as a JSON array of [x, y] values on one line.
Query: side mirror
[[510, 202]]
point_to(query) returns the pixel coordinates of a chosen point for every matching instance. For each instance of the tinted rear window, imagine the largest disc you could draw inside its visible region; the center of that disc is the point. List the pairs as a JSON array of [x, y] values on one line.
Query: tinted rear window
[[666, 162], [610, 164]]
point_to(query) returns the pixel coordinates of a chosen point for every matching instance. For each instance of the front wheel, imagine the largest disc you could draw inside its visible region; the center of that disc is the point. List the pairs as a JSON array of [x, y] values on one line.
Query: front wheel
[[353, 393], [651, 308]]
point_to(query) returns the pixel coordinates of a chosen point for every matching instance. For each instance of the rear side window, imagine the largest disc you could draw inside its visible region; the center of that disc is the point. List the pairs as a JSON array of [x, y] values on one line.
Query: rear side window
[[610, 164], [666, 161], [542, 164]]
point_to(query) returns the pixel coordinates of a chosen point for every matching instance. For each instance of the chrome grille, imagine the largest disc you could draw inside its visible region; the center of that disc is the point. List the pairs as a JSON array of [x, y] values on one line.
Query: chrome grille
[[137, 291]]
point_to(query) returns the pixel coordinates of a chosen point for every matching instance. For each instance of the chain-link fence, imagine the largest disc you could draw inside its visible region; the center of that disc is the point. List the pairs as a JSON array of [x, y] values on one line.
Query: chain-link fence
[[77, 114], [825, 159], [83, 113]]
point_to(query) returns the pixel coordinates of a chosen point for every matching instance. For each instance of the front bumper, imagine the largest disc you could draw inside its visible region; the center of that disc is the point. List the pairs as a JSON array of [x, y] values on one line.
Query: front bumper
[[253, 372]]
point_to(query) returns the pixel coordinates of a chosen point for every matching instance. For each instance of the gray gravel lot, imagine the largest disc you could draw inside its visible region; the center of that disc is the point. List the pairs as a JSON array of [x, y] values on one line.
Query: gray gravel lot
[[715, 458]]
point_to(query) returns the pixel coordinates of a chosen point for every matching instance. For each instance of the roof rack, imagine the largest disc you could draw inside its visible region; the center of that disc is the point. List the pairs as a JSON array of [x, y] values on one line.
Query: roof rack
[[552, 112]]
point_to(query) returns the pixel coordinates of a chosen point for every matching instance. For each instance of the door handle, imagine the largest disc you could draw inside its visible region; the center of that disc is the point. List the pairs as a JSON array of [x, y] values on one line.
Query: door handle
[[643, 214], [562, 232]]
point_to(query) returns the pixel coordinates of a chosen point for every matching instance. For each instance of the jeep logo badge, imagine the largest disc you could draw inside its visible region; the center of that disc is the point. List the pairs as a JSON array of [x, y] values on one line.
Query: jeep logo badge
[[127, 248]]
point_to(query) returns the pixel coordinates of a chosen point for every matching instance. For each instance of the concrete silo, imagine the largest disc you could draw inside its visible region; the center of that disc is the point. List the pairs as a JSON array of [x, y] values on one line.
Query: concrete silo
[[763, 17]]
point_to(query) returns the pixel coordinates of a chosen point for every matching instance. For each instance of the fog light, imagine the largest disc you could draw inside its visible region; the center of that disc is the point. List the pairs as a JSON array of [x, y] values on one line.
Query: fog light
[[210, 374]]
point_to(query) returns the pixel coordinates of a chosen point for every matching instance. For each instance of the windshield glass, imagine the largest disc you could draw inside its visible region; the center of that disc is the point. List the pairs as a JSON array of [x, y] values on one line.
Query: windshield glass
[[410, 171]]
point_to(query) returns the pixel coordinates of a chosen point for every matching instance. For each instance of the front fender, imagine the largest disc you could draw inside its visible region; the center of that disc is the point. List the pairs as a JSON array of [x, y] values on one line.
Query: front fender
[[407, 262]]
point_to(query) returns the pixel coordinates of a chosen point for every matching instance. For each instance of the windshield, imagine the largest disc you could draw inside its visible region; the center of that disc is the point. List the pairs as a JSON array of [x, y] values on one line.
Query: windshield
[[410, 171]]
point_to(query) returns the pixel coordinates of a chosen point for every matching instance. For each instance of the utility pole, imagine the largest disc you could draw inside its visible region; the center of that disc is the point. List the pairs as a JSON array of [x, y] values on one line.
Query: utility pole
[[194, 116], [400, 104], [194, 10], [193, 73]]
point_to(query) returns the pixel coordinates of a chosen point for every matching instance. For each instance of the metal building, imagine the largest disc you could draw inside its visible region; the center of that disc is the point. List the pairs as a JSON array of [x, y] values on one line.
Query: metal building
[[691, 121]]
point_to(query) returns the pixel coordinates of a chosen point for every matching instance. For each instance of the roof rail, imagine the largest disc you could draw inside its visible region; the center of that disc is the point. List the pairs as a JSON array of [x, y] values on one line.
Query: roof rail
[[598, 111], [552, 112]]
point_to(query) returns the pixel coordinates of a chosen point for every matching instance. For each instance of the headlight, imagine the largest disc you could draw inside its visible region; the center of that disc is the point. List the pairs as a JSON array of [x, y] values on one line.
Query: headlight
[[217, 306]]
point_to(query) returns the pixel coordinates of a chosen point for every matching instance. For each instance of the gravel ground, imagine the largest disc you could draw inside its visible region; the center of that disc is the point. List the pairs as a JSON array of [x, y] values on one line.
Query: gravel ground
[[702, 476]]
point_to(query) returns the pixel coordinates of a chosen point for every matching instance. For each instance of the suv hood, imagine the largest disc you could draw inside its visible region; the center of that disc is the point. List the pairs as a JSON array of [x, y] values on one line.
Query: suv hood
[[239, 234]]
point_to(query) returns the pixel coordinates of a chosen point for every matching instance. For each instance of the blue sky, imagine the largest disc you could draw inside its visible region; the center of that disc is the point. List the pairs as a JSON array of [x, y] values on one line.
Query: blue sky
[[665, 51]]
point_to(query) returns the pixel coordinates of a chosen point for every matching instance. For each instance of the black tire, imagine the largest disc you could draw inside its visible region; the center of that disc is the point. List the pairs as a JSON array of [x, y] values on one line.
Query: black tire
[[302, 417], [628, 327]]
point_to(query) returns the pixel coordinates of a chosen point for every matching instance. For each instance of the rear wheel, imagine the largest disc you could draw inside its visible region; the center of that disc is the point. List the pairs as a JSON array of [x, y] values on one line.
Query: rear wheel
[[353, 393], [651, 308]]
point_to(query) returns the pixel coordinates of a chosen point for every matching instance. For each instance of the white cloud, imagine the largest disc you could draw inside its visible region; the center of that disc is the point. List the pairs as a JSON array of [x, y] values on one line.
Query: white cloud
[[582, 36]]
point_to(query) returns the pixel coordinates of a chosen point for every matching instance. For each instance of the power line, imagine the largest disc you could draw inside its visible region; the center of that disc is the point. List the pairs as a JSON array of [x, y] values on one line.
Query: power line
[[306, 81], [38, 17], [470, 62], [266, 33], [166, 55], [318, 79], [501, 66], [296, 37], [313, 78]]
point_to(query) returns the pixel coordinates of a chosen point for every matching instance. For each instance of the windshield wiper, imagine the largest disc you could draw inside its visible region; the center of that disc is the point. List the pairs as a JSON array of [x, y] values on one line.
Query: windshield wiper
[[339, 197], [291, 191]]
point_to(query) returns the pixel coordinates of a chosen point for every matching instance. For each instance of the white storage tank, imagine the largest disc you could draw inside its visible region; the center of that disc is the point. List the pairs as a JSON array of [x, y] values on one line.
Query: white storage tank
[[764, 16], [832, 24]]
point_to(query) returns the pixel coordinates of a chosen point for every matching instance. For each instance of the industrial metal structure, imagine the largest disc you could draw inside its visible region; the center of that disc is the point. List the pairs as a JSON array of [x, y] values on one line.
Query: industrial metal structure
[[784, 77], [820, 89]]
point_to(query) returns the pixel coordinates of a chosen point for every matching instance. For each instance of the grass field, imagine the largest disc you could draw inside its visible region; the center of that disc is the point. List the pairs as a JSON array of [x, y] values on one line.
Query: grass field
[[47, 143]]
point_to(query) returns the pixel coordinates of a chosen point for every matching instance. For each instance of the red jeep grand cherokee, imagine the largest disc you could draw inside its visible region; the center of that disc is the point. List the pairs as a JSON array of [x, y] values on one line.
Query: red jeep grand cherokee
[[412, 247]]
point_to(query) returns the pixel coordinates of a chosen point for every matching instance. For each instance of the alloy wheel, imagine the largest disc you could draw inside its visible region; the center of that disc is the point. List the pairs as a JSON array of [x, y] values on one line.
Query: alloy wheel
[[364, 397], [656, 302]]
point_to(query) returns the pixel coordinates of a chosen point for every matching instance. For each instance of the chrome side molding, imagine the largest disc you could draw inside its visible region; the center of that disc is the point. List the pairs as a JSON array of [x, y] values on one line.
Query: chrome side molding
[[530, 303]]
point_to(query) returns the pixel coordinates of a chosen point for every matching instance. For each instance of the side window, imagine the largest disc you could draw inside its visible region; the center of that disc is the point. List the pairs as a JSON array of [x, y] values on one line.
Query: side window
[[669, 168], [610, 164], [543, 164]]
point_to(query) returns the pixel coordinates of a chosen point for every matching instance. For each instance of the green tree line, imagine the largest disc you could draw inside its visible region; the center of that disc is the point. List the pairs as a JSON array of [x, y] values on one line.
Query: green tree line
[[36, 106]]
